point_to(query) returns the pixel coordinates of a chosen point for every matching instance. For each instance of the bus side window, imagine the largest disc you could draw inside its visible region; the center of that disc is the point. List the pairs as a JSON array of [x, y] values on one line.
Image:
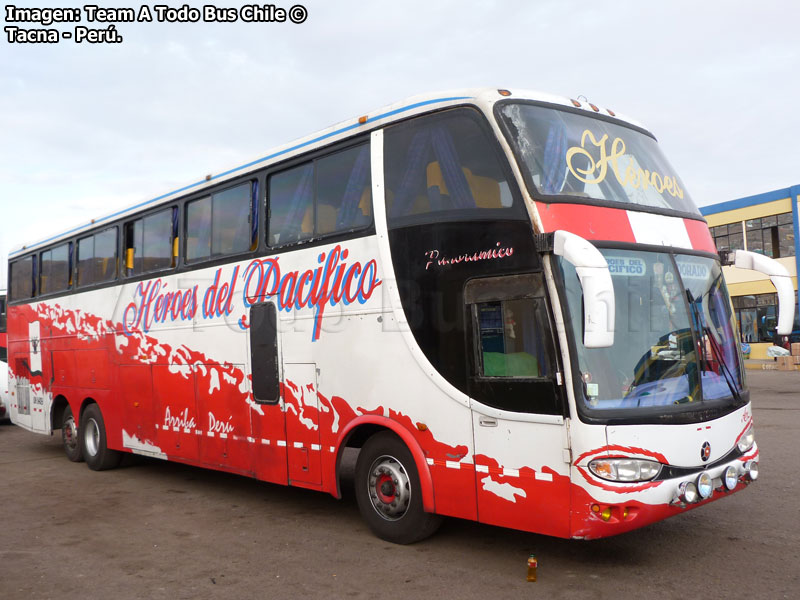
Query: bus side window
[[221, 224], [264, 352], [509, 343], [149, 243], [291, 201], [55, 269], [343, 191], [443, 163], [85, 261], [105, 255], [23, 273], [513, 358], [97, 258]]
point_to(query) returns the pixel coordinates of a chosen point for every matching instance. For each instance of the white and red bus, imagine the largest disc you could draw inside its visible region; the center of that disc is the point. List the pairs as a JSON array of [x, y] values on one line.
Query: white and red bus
[[3, 342], [507, 300]]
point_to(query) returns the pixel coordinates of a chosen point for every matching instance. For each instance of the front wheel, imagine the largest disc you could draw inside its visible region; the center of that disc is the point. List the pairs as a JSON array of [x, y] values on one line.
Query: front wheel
[[388, 491], [70, 438], [98, 455]]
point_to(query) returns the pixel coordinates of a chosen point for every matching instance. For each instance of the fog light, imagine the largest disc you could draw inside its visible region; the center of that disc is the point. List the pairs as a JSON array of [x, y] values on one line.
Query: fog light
[[705, 486], [606, 514], [687, 492], [730, 478], [751, 470]]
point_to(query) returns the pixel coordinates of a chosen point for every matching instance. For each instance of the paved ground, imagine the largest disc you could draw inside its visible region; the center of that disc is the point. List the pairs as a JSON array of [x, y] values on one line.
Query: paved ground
[[156, 530]]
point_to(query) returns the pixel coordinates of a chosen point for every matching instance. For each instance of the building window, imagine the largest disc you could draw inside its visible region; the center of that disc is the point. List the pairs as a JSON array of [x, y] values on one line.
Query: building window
[[772, 236], [728, 237], [757, 316]]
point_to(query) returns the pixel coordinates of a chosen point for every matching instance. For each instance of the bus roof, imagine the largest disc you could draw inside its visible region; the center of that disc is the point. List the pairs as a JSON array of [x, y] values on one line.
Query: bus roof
[[483, 98]]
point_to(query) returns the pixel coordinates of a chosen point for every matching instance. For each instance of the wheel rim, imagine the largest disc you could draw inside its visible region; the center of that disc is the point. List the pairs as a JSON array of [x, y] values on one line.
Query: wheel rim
[[92, 437], [70, 435], [389, 488]]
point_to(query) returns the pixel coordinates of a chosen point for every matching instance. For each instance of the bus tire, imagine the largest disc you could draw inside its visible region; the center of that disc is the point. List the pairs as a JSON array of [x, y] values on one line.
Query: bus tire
[[70, 438], [96, 452], [388, 491]]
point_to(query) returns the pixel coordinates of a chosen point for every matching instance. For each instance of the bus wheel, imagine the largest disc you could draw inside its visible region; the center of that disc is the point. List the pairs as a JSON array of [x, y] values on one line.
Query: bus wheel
[[93, 441], [69, 437], [388, 491]]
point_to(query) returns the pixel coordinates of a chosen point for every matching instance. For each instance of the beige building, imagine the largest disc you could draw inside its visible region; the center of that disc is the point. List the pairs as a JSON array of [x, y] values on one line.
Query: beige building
[[768, 224]]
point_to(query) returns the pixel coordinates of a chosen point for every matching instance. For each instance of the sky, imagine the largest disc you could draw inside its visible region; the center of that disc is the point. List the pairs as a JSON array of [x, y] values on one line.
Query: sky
[[88, 129]]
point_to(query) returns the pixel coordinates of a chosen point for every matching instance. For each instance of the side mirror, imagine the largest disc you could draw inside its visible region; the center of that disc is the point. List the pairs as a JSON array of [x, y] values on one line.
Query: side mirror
[[780, 279], [598, 290]]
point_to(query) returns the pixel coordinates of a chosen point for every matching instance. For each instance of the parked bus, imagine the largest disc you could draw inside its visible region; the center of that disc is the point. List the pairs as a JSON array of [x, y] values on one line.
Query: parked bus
[[506, 300], [3, 342]]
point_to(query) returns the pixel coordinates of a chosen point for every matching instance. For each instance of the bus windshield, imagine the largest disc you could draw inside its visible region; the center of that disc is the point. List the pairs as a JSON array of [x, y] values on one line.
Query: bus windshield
[[674, 345], [562, 153]]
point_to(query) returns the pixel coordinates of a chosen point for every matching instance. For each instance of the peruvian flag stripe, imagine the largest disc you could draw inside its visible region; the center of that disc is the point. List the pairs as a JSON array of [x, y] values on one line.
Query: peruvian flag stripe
[[615, 224]]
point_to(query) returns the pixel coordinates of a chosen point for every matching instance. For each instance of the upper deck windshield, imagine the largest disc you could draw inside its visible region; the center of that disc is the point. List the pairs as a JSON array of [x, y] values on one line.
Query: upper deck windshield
[[562, 153], [674, 345]]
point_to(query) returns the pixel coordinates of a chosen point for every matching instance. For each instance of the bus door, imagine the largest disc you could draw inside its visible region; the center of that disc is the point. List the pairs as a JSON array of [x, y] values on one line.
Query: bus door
[[285, 393], [29, 396], [520, 436], [301, 406]]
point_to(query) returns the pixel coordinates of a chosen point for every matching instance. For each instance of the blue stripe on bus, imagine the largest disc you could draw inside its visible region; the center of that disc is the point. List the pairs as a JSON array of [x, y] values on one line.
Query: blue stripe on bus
[[245, 166]]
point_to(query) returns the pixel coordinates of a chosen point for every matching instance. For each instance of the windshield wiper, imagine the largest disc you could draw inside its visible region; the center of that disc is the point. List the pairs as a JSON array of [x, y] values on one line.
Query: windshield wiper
[[727, 375]]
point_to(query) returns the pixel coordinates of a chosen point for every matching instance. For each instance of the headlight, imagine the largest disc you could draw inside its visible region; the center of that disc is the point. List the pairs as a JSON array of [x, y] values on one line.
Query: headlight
[[746, 441], [625, 469]]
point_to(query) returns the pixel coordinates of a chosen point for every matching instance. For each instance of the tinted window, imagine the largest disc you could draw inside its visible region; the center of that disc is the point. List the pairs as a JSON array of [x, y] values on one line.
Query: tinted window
[[55, 268], [444, 164], [221, 224], [21, 279], [97, 257], [291, 202], [343, 191], [86, 261], [151, 241], [329, 195], [105, 255]]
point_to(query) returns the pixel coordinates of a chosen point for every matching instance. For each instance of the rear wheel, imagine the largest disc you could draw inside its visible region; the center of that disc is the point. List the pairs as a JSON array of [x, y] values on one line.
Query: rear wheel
[[96, 452], [69, 437], [388, 491]]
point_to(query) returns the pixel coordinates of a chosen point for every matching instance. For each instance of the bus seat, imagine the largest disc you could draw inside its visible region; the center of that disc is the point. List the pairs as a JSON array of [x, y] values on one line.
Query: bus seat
[[485, 190], [326, 220], [365, 203], [307, 224], [420, 204]]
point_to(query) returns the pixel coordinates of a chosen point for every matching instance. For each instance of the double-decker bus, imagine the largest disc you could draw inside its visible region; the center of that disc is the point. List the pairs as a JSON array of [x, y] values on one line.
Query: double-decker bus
[[506, 300]]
